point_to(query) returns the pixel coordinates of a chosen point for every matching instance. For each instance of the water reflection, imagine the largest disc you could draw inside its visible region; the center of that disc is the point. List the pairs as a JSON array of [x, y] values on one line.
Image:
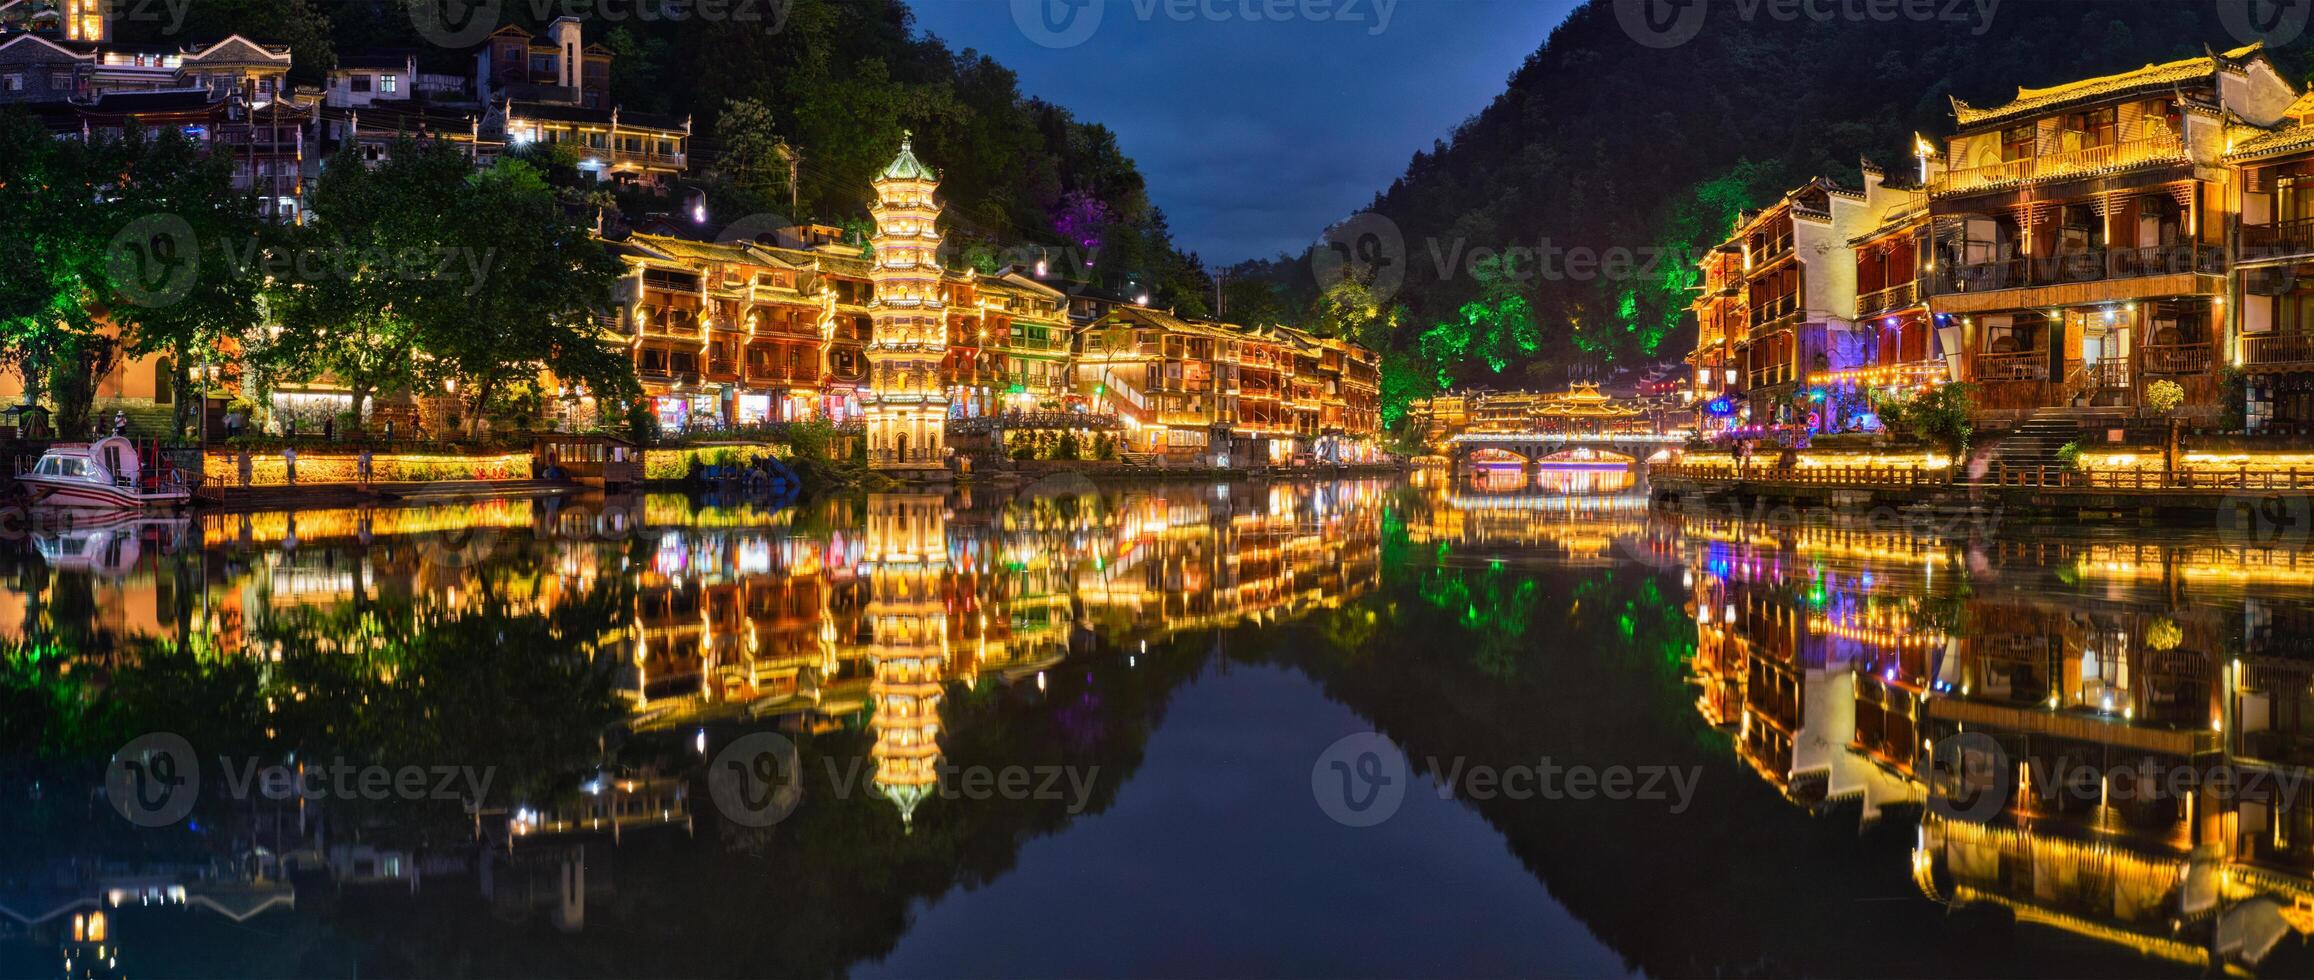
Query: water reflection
[[1912, 731], [2103, 732]]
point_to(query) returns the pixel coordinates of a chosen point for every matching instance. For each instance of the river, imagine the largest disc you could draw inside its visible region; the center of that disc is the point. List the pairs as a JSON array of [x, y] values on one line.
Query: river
[[1376, 727]]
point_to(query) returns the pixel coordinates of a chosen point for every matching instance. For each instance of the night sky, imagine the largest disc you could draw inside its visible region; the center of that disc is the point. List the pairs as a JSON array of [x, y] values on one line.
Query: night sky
[[1255, 135]]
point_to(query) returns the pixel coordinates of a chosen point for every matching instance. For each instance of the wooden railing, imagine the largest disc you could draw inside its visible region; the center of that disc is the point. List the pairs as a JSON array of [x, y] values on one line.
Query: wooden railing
[[2266, 349], [1775, 309], [2177, 358], [1901, 295], [2292, 237], [1815, 476], [2148, 151], [2031, 365], [2058, 477], [1773, 374], [2087, 265]]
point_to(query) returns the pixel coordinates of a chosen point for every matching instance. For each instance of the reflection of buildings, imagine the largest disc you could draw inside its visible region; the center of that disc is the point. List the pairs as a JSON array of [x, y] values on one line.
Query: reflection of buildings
[[2128, 737], [730, 613]]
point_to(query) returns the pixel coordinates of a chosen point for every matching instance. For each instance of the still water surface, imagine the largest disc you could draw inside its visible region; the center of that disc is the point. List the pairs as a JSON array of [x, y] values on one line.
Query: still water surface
[[1163, 677]]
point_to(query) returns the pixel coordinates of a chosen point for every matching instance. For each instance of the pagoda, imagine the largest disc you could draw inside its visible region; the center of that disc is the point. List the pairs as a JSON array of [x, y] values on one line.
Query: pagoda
[[906, 408]]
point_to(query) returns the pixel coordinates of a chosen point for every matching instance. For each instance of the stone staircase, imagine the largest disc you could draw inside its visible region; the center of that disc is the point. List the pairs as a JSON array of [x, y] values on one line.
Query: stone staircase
[[2034, 443], [146, 421]]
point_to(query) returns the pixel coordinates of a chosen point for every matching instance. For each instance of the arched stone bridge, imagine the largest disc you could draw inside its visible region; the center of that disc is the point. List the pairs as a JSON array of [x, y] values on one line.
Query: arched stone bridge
[[1531, 446]]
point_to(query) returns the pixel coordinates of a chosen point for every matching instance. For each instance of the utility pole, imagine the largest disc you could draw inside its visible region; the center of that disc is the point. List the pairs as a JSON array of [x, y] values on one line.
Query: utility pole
[[1218, 276]]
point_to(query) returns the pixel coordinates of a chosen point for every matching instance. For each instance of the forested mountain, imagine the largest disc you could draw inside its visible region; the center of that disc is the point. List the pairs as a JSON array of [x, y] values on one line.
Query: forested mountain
[[839, 81], [1602, 142]]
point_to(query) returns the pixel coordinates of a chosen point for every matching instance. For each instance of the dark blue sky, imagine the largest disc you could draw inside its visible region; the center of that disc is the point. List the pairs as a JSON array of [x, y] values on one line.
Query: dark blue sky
[[1256, 134]]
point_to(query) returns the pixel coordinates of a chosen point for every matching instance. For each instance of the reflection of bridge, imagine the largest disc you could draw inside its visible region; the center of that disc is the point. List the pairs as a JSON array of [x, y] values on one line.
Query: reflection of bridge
[[1532, 446]]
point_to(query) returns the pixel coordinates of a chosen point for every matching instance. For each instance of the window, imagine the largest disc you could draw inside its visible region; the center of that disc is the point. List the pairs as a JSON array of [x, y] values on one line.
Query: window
[[2092, 129], [2017, 143], [389, 84], [12, 82], [360, 84]]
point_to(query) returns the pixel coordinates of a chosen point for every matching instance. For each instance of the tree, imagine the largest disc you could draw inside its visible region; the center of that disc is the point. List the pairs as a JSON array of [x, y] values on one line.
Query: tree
[[125, 241], [365, 278], [755, 161], [1940, 415], [540, 280], [2164, 397], [54, 220], [171, 189]]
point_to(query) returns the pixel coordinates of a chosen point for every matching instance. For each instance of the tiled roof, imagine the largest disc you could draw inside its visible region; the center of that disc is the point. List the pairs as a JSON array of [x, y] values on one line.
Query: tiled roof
[[906, 166], [2156, 76], [2294, 132]]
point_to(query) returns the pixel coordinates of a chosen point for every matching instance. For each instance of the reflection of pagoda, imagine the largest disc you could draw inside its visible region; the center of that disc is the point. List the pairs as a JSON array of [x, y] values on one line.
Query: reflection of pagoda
[[905, 561]]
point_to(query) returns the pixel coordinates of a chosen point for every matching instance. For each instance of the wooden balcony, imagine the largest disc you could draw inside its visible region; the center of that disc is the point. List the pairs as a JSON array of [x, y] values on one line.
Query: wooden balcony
[[1897, 297], [1772, 311], [2091, 265], [2275, 239], [2031, 365], [2125, 155], [2276, 350], [2176, 358]]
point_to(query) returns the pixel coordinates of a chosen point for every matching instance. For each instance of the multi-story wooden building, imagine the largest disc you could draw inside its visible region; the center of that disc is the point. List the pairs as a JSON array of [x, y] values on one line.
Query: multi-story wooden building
[[2274, 263], [2082, 233]]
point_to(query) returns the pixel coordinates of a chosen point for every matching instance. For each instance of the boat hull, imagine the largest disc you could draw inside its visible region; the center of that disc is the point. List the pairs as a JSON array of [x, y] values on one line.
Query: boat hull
[[92, 496]]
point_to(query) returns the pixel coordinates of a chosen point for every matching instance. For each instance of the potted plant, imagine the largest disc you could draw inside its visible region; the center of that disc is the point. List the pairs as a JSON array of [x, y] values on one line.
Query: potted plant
[[2163, 398]]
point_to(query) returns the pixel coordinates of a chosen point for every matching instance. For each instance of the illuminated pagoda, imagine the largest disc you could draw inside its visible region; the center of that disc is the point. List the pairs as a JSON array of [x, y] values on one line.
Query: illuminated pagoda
[[905, 563], [907, 403]]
